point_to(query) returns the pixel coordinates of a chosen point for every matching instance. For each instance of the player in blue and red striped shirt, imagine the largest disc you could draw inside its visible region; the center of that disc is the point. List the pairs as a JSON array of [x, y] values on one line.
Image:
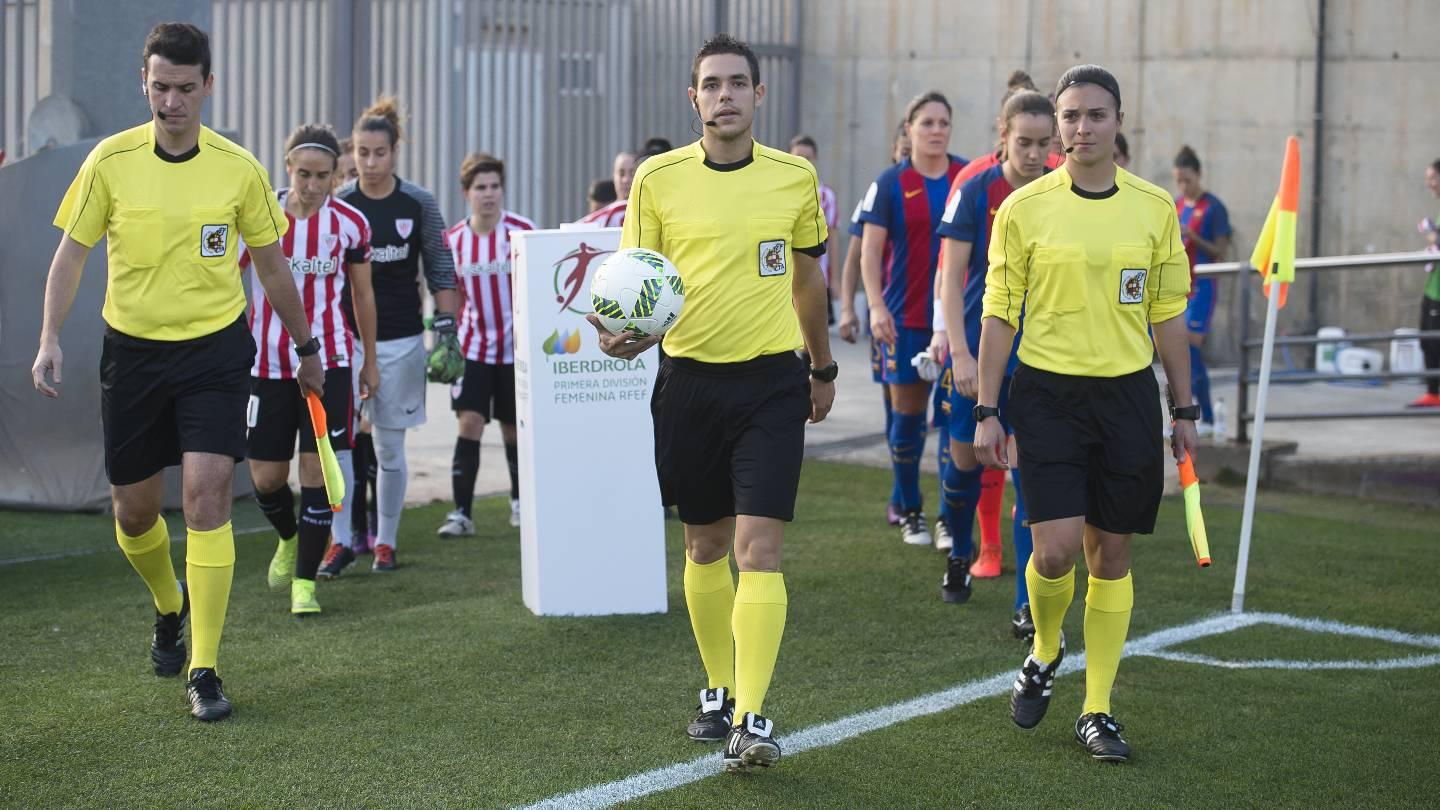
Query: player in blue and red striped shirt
[[1205, 230], [1027, 127], [903, 208]]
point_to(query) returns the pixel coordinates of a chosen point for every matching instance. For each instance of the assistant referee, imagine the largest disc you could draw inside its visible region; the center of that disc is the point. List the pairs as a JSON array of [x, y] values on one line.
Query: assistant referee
[[1094, 256], [743, 224], [174, 198]]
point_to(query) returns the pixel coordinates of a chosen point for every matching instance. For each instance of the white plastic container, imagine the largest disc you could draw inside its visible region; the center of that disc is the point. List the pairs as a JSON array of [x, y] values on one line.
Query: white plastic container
[[1325, 352], [1405, 352], [1221, 432], [1359, 360]]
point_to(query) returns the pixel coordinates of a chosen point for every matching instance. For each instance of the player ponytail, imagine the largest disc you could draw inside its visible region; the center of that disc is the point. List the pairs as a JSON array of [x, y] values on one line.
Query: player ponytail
[[313, 136], [1187, 159], [382, 116]]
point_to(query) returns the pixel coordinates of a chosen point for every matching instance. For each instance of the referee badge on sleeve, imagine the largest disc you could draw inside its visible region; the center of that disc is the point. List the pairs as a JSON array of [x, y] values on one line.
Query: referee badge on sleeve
[[214, 240], [772, 258], [1132, 285]]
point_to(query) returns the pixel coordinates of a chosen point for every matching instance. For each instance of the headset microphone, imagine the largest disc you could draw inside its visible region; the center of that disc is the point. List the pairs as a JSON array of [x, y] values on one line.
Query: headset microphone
[[161, 115], [710, 123], [1069, 149]]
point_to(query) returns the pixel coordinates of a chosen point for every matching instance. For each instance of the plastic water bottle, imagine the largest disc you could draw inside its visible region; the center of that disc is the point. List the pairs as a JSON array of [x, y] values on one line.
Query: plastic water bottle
[[1221, 432]]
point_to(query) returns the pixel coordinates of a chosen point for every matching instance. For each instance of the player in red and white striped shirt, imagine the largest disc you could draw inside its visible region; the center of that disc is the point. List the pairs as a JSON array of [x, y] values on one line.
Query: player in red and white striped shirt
[[328, 248], [804, 146], [480, 246], [622, 173]]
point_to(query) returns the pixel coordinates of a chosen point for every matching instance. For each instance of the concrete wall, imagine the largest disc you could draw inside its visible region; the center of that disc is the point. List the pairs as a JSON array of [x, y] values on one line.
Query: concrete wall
[[1230, 77]]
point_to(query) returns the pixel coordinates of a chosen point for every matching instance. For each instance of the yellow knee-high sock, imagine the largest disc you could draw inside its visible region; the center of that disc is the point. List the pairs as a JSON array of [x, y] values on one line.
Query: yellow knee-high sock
[[149, 555], [1049, 601], [209, 566], [710, 598], [759, 622], [1107, 621]]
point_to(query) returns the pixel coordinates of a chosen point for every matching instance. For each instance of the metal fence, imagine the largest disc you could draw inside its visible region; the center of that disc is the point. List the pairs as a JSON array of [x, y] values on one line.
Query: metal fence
[[554, 87], [19, 84]]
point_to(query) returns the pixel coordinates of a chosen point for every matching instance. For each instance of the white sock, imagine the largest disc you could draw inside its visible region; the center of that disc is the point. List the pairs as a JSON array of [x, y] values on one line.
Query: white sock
[[389, 482], [340, 528]]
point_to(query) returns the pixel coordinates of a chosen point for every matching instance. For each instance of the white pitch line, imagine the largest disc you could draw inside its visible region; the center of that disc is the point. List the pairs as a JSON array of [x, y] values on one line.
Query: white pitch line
[[1410, 662], [673, 776]]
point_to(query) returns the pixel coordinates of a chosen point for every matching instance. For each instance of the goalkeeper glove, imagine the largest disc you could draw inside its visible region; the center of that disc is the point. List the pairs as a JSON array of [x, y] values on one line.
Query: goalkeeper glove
[[446, 362]]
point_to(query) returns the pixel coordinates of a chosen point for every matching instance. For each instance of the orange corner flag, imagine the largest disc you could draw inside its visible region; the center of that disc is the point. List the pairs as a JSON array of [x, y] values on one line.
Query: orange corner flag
[[1274, 254]]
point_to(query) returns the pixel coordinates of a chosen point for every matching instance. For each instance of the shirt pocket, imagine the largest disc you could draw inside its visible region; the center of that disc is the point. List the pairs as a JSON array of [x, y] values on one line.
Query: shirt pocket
[[212, 234], [771, 238], [1130, 277], [1056, 316], [138, 235]]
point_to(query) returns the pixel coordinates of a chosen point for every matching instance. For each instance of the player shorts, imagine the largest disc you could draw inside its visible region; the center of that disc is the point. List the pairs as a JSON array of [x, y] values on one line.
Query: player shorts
[[277, 412], [896, 357], [160, 399], [357, 362], [399, 402], [730, 437], [1090, 446], [486, 389], [1201, 308], [941, 393], [962, 413], [877, 361]]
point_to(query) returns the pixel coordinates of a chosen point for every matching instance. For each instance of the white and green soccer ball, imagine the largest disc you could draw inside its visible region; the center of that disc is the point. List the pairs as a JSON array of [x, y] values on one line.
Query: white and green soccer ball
[[638, 291]]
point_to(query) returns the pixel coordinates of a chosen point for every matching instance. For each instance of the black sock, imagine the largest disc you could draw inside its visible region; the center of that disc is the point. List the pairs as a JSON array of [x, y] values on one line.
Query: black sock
[[279, 509], [360, 461], [463, 469], [512, 460], [315, 520]]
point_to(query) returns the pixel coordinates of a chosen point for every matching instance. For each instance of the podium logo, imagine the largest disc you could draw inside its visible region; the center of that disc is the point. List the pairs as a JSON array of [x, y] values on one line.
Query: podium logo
[[572, 275], [567, 342]]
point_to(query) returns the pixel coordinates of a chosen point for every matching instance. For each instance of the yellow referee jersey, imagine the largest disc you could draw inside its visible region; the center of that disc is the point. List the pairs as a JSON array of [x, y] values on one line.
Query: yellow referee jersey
[[1092, 271], [732, 231], [173, 224]]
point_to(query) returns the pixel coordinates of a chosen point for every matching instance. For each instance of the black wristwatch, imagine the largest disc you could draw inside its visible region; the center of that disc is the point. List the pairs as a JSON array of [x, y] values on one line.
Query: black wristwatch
[[308, 348], [981, 413], [826, 374], [1191, 412]]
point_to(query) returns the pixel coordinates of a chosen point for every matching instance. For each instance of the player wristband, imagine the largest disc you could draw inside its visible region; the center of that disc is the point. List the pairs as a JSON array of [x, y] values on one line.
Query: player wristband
[[937, 320]]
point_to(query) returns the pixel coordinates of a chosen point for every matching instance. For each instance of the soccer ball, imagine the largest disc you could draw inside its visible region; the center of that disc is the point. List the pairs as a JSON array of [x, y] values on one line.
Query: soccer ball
[[639, 291]]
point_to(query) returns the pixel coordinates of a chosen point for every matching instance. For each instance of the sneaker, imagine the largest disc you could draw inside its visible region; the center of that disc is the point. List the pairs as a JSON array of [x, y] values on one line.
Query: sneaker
[[955, 587], [207, 702], [1030, 696], [384, 558], [514, 513], [892, 514], [457, 524], [1100, 735], [751, 743], [302, 598], [337, 559], [987, 565], [912, 529], [167, 646], [713, 717], [361, 543], [282, 565], [1021, 625], [943, 540], [1425, 401]]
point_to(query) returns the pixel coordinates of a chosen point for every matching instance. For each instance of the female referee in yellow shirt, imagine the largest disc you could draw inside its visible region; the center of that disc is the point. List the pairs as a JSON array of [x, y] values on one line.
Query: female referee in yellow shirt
[[1094, 255]]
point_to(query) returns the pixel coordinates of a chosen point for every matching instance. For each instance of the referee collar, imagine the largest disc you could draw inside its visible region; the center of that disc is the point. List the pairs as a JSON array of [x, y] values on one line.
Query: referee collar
[[727, 167], [183, 156], [1095, 195]]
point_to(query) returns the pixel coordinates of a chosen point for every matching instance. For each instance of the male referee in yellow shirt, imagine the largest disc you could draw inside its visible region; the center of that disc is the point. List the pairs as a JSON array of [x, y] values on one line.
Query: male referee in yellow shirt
[[743, 224], [1094, 256], [174, 198]]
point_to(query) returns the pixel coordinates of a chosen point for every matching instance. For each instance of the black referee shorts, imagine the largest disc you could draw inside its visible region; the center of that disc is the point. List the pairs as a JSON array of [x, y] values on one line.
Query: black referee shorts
[[1089, 446], [277, 413], [730, 437], [160, 399]]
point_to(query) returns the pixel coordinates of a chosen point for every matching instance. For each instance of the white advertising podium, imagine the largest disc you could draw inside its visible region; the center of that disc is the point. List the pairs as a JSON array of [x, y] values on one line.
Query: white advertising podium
[[592, 531]]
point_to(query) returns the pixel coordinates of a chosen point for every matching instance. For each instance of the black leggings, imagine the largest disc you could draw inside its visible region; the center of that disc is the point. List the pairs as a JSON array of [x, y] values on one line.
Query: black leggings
[[1430, 321]]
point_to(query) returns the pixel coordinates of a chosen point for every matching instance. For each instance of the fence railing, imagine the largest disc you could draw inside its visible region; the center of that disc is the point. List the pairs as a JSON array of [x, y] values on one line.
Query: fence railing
[[1247, 377]]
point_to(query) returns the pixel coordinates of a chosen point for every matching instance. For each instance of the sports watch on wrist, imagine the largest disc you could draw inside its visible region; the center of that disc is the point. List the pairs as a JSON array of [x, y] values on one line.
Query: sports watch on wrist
[[1191, 412], [981, 413], [826, 374], [309, 347]]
